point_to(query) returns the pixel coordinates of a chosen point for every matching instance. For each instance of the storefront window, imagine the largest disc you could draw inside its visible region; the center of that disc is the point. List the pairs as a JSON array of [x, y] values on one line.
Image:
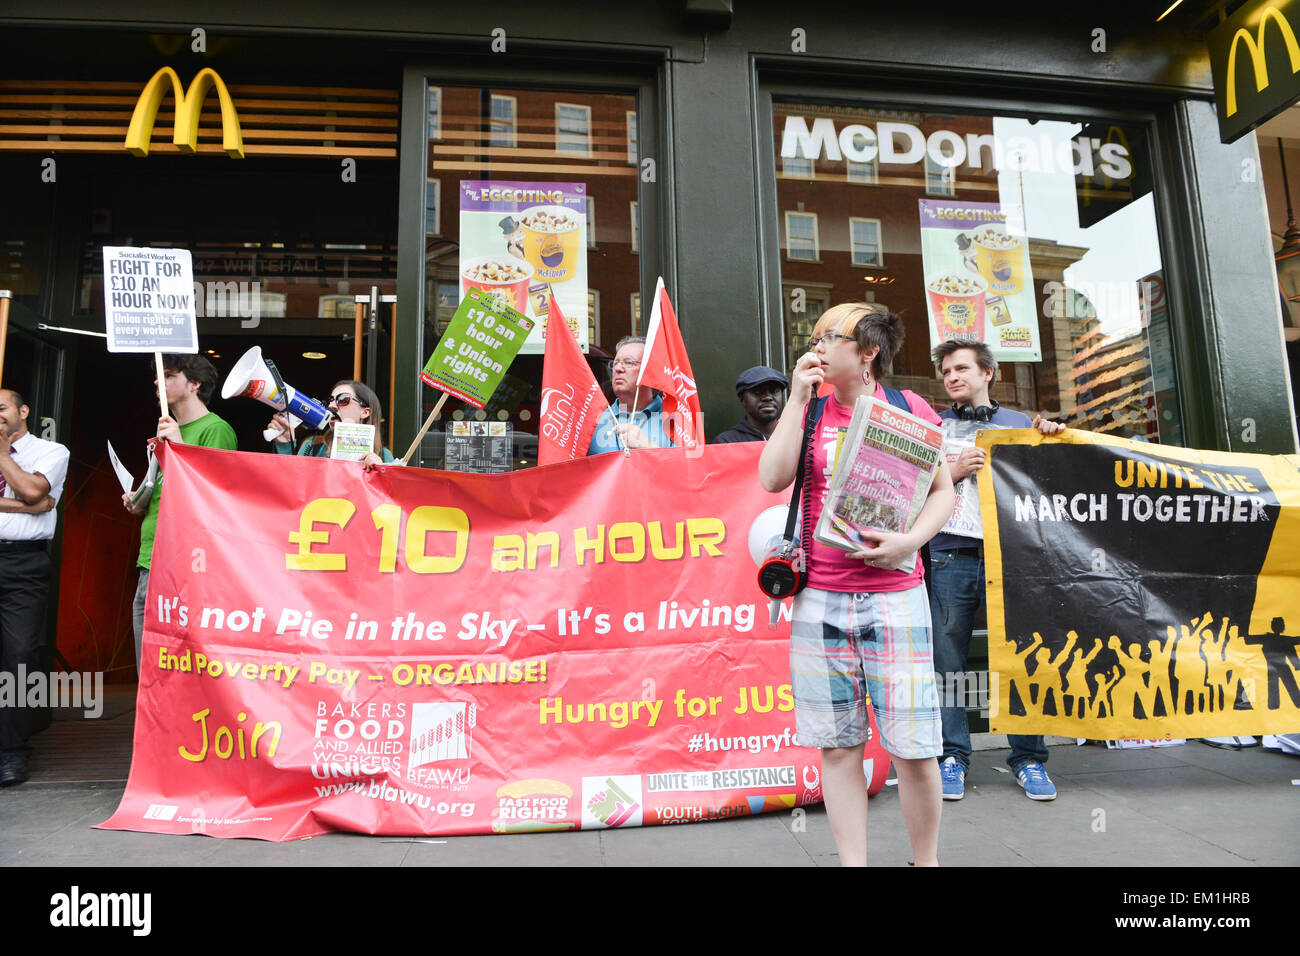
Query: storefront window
[[24, 236], [541, 187], [1039, 237]]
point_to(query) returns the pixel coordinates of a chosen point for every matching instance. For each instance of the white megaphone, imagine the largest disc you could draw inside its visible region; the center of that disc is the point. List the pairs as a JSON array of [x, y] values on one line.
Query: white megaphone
[[256, 377]]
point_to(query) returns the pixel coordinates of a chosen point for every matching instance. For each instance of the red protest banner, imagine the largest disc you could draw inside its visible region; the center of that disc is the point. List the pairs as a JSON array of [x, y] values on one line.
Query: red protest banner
[[409, 651], [665, 366], [571, 400]]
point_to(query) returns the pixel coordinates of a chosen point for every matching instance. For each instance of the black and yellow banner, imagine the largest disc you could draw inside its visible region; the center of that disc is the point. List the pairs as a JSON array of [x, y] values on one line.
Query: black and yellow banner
[[1137, 590]]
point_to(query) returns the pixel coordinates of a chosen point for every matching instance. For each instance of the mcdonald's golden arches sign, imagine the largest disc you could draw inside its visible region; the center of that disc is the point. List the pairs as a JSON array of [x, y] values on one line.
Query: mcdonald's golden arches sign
[[189, 104], [1255, 60]]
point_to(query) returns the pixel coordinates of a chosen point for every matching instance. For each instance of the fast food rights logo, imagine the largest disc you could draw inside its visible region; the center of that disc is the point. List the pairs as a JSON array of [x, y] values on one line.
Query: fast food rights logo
[[529, 806]]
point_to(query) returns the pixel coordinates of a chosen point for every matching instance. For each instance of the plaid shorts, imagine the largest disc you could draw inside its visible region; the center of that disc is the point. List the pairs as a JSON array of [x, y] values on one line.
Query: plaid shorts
[[848, 649]]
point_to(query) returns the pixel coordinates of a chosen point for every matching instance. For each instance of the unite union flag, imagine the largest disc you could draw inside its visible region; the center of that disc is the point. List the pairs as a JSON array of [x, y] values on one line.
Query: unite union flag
[[571, 400], [665, 366]]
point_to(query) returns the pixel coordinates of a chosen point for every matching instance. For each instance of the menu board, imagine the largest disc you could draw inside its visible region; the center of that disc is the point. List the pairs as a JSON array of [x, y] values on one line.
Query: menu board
[[482, 447]]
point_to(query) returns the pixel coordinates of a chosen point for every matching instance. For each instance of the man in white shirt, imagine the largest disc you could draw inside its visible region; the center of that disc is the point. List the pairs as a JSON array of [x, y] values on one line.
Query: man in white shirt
[[31, 480]]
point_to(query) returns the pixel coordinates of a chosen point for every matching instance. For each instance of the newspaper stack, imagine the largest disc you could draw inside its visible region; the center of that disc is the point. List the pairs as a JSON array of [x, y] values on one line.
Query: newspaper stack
[[881, 478]]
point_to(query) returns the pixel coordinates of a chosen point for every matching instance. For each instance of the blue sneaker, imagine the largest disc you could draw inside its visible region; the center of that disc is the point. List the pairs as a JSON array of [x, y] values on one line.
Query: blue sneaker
[[954, 779], [1035, 781]]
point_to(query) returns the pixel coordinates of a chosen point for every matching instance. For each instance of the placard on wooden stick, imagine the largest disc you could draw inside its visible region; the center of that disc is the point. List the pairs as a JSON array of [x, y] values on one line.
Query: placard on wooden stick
[[471, 359], [149, 304]]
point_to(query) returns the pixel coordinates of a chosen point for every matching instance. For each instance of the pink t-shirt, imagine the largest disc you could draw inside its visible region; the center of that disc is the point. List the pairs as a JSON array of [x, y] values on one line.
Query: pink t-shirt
[[831, 569]]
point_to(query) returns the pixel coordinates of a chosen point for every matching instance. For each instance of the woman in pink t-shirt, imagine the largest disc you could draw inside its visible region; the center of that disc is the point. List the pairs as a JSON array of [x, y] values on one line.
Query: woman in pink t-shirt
[[861, 629]]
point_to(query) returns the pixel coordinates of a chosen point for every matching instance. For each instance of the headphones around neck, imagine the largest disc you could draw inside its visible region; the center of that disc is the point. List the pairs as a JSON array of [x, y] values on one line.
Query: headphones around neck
[[983, 413]]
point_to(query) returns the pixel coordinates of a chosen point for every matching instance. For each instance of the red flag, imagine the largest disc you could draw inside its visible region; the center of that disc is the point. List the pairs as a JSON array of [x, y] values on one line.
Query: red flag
[[571, 400], [665, 366]]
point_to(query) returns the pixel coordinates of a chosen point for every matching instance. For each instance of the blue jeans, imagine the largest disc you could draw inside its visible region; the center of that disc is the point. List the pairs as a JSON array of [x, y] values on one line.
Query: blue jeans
[[956, 593], [137, 618]]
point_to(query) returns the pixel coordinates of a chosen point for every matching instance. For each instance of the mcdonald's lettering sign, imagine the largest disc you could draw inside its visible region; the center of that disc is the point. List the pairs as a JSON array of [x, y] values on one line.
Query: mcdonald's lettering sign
[[189, 104], [1255, 60]]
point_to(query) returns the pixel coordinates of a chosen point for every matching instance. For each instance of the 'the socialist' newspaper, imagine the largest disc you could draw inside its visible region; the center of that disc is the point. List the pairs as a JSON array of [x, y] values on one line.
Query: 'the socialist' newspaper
[[882, 476]]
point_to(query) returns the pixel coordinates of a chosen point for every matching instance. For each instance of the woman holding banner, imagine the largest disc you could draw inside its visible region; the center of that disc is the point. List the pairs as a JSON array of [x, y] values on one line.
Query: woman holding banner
[[350, 402], [860, 630]]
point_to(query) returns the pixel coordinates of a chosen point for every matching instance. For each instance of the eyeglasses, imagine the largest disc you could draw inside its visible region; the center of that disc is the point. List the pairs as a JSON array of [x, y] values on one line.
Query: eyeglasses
[[622, 363], [830, 338], [343, 401]]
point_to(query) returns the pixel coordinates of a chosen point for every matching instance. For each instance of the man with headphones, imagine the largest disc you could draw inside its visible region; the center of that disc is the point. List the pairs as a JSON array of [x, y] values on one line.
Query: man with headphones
[[957, 572]]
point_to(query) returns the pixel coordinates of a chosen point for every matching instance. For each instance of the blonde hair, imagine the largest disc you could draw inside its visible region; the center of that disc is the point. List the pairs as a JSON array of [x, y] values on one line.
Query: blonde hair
[[871, 325]]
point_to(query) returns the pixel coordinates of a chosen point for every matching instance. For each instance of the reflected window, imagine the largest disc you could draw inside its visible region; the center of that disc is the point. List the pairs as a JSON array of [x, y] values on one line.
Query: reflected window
[[804, 304], [801, 236], [573, 128], [797, 168], [866, 242], [434, 106], [503, 121], [940, 180], [865, 174], [432, 202]]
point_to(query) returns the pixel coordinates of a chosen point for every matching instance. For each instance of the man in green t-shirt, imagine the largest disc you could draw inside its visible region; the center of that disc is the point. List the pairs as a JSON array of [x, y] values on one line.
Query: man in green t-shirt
[[190, 381]]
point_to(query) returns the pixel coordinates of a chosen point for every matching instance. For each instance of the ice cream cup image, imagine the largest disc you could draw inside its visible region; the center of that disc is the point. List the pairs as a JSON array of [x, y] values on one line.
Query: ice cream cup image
[[957, 304], [1000, 258], [503, 275], [551, 241]]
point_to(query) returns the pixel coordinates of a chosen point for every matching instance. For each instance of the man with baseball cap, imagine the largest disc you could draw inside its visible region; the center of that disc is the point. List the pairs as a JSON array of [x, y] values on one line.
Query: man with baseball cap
[[761, 391]]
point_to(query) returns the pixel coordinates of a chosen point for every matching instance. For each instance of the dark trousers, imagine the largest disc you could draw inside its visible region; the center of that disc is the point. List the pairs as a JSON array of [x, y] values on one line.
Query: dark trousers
[[24, 587]]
